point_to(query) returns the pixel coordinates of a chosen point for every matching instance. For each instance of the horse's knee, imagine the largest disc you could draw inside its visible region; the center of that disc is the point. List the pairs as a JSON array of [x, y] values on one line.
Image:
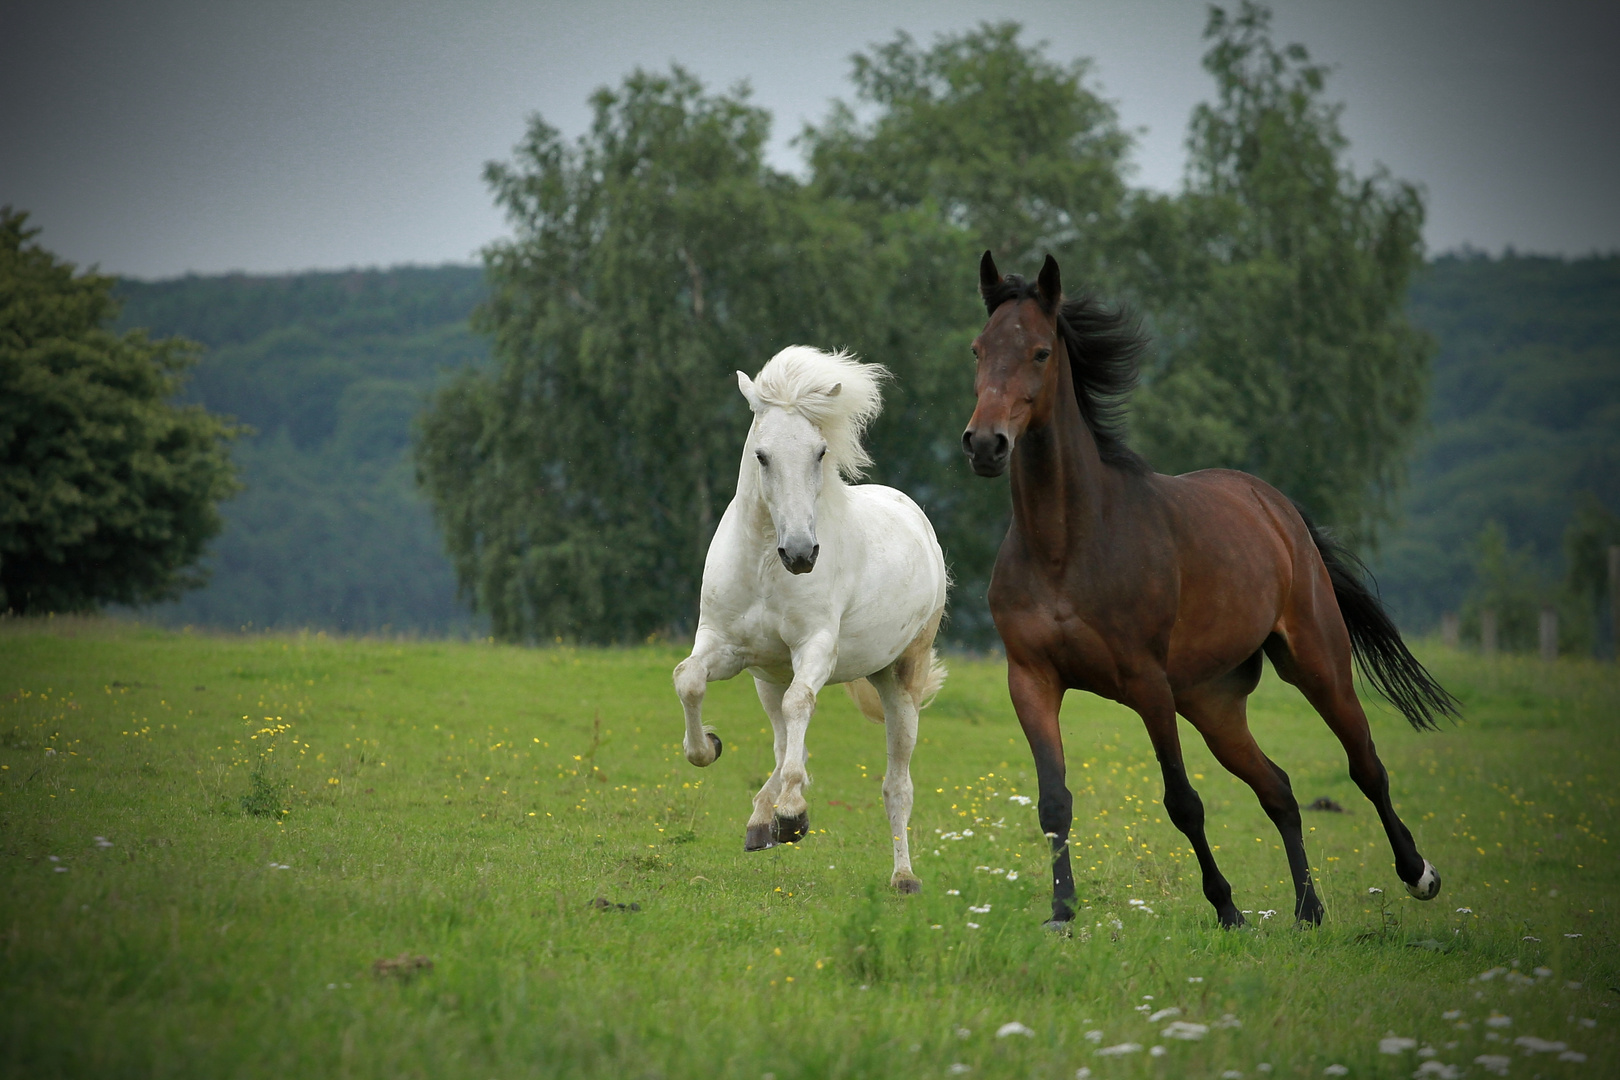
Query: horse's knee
[[1184, 808], [691, 681], [799, 698]]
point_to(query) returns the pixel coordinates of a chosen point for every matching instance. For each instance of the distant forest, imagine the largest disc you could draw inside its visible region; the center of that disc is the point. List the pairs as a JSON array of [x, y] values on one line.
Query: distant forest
[[331, 369]]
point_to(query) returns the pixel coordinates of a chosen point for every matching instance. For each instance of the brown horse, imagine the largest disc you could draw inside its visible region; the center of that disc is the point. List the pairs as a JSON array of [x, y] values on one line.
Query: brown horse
[[1161, 592]]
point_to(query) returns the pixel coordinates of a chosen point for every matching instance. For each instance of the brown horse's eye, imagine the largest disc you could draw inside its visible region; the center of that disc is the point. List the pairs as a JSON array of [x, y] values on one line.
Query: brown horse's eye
[[1041, 355]]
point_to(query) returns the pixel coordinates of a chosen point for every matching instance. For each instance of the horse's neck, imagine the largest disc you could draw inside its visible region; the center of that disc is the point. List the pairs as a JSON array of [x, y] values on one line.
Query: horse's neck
[[1060, 486]]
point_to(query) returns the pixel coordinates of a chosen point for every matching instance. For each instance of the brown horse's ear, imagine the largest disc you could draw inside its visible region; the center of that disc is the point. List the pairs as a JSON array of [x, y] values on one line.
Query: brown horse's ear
[[989, 276], [1050, 284]]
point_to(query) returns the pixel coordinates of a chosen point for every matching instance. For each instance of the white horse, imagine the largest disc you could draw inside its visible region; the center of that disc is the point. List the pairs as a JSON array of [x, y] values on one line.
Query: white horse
[[812, 581]]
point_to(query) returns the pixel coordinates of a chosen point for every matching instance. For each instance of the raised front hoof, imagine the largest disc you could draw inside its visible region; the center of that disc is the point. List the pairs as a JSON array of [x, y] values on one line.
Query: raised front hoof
[[758, 838], [1427, 886], [905, 884], [790, 829], [713, 746]]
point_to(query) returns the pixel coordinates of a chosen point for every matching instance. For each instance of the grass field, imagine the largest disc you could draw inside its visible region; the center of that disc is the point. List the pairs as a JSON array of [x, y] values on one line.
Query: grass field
[[207, 843]]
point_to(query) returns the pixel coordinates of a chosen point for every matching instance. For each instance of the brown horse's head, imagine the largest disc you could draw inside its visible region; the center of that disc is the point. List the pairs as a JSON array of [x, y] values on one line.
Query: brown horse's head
[[1017, 382]]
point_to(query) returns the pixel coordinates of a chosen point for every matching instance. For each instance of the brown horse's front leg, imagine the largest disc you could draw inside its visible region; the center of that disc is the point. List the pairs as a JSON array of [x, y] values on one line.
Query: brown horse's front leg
[[1155, 704], [1037, 696]]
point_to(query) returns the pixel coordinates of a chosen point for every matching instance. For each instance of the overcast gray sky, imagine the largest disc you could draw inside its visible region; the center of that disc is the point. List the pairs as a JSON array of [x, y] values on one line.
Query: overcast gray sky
[[167, 136]]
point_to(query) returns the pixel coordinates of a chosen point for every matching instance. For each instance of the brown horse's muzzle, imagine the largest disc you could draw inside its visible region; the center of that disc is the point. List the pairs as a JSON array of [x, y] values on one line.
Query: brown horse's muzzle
[[988, 450]]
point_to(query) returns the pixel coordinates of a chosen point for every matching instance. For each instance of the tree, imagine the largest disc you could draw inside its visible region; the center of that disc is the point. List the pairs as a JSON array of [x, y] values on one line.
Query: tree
[[108, 490], [1277, 283], [579, 480]]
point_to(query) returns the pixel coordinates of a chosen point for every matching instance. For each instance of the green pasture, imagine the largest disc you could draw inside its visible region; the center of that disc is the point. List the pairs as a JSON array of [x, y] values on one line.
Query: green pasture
[[276, 814]]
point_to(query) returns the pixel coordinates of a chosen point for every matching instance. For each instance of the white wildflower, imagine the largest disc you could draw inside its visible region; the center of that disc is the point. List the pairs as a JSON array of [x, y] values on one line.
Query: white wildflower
[[1094, 1036], [1164, 1014], [1373, 890], [1195, 978], [1119, 1049], [1497, 1020], [1465, 911], [959, 1068], [1185, 1031], [1533, 1045], [1496, 1063], [1542, 972], [1451, 1014], [973, 926], [1013, 1027], [1439, 1070], [1395, 1044], [1335, 1070], [1021, 800], [1157, 1051], [1572, 1055], [1012, 875], [953, 892]]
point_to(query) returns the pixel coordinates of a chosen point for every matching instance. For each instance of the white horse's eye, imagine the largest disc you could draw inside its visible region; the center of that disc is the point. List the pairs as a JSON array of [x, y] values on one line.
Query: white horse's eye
[[763, 460], [821, 453]]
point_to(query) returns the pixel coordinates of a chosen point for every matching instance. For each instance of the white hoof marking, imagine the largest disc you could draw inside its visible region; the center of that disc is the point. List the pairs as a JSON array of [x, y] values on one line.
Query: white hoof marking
[[1428, 883]]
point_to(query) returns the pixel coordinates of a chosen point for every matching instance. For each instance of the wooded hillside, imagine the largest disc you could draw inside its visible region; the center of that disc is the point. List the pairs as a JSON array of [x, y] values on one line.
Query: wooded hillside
[[331, 368]]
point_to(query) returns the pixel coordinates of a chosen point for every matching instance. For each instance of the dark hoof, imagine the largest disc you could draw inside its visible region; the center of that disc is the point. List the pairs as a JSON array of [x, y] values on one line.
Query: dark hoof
[[1060, 927], [790, 830], [1232, 919], [758, 838], [718, 745], [906, 886]]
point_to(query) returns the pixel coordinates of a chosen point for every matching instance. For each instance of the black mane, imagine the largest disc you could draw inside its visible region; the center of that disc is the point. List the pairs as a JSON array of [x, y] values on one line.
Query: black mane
[[1104, 347]]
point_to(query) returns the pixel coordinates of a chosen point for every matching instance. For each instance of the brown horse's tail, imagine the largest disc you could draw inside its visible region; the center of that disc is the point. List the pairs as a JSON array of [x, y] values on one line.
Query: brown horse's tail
[[1385, 660]]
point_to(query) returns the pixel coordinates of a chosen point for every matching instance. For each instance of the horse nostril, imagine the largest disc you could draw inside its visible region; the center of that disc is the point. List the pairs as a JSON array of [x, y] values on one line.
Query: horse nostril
[[1001, 445], [814, 552], [781, 553], [967, 441]]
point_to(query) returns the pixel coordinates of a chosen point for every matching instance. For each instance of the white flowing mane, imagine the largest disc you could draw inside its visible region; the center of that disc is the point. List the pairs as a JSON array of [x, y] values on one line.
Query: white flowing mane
[[798, 379]]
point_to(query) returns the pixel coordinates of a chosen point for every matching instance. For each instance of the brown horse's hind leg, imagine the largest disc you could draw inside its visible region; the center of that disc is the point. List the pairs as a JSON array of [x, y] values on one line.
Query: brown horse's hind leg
[[1156, 706], [1323, 675], [1221, 716], [1037, 696]]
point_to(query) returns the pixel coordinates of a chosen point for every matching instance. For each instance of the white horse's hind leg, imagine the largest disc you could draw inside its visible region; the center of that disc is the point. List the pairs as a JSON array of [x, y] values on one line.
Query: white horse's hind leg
[[900, 725], [759, 835], [812, 664], [711, 661]]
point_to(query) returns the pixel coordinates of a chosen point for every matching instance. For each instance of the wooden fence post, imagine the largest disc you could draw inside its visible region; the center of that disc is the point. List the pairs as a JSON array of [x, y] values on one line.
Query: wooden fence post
[[1614, 598], [1450, 630], [1549, 635], [1487, 633]]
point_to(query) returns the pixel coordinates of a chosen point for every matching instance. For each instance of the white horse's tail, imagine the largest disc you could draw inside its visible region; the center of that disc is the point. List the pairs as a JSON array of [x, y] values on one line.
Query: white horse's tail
[[920, 670]]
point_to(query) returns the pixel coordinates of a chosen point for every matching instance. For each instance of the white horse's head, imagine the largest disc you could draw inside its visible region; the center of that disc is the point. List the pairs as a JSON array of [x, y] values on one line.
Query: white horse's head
[[810, 408]]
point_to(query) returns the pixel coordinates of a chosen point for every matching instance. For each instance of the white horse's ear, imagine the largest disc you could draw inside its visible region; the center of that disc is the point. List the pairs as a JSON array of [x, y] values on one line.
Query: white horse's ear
[[837, 388], [746, 385]]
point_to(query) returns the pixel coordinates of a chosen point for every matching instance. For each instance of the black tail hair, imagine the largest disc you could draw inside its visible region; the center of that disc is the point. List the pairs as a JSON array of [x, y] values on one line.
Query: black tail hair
[[1385, 660]]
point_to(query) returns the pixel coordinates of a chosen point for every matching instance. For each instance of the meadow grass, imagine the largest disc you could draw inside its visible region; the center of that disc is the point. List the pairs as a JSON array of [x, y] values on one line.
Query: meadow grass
[[208, 842]]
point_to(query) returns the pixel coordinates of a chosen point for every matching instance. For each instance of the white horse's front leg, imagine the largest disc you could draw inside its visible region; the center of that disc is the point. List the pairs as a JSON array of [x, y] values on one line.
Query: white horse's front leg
[[711, 661], [760, 834], [900, 725], [812, 666]]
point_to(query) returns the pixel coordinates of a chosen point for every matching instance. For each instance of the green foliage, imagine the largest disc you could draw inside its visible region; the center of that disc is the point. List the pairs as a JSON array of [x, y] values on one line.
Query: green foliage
[[1276, 284], [1505, 582], [108, 491], [330, 369], [426, 819], [579, 481], [1524, 417]]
